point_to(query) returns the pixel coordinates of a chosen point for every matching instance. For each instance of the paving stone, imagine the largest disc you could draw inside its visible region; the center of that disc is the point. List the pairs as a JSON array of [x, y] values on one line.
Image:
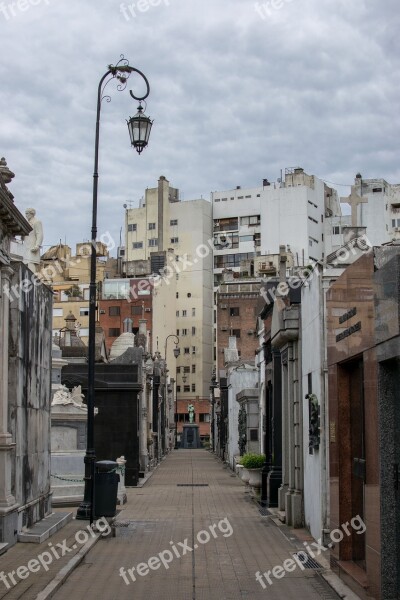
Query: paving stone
[[222, 568]]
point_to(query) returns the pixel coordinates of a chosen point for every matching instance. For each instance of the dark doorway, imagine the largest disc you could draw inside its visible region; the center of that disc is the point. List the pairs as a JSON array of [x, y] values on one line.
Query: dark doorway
[[389, 442], [352, 457]]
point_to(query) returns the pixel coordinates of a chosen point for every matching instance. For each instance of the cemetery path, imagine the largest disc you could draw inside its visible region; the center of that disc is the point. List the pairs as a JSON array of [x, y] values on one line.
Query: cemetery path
[[193, 533]]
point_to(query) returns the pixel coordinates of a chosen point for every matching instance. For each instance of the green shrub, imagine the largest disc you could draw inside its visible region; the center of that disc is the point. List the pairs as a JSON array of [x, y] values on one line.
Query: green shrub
[[253, 461]]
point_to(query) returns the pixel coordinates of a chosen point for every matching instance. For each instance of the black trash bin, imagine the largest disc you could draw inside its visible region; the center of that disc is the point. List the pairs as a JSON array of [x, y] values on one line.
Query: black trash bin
[[105, 488]]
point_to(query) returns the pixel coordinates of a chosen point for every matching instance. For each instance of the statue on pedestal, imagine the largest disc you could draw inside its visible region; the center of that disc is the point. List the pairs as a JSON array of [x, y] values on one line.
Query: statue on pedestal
[[191, 413], [33, 241]]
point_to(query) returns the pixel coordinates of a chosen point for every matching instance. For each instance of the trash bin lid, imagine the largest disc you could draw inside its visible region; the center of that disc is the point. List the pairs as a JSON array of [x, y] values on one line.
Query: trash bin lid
[[106, 465]]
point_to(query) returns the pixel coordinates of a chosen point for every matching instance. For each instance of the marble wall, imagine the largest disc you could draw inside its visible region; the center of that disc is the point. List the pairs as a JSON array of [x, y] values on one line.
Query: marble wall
[[29, 394]]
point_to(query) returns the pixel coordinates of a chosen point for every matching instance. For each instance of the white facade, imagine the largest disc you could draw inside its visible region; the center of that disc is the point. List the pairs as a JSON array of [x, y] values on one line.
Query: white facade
[[240, 378], [237, 219], [293, 215], [376, 205], [316, 492]]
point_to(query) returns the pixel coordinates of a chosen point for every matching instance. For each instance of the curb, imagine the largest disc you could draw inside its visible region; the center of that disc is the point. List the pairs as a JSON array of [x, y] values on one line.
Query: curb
[[64, 573]]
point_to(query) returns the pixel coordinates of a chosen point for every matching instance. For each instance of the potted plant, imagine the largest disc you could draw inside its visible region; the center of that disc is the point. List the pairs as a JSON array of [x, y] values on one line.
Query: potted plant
[[253, 464]]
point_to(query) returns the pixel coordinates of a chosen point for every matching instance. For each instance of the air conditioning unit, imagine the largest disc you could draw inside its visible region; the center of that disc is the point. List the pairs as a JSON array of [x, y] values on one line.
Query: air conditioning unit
[[224, 306], [250, 332], [102, 312], [224, 329], [147, 310]]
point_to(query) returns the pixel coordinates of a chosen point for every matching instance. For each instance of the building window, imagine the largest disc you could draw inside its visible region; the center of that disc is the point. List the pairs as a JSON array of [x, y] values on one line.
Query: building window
[[236, 333], [184, 332], [178, 389], [253, 435], [234, 311], [193, 349], [178, 369], [136, 310], [186, 350], [193, 387], [186, 388], [132, 227], [204, 417], [193, 368], [174, 240], [184, 313], [177, 313], [226, 224], [250, 221], [193, 330], [137, 245], [152, 226], [186, 369], [193, 312], [153, 242], [114, 311], [58, 312], [83, 312], [231, 260], [177, 332], [173, 222], [114, 332], [223, 241], [177, 295]]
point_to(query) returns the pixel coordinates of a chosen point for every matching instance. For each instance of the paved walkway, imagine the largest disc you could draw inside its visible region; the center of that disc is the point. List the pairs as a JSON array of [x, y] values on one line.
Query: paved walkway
[[232, 541]]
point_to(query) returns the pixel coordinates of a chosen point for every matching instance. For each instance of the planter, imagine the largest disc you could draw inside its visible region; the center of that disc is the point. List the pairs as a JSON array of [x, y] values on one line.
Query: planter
[[245, 475], [255, 480]]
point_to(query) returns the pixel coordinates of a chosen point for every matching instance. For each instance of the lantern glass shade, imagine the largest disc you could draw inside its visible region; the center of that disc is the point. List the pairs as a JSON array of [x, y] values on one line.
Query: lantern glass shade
[[139, 128], [177, 352]]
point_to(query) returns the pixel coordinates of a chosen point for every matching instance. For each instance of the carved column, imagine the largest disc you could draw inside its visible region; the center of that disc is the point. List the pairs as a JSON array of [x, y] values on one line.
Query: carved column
[[6, 444]]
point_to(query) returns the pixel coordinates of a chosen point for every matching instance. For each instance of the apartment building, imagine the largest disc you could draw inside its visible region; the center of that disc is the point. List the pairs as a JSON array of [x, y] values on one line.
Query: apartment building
[[172, 240]]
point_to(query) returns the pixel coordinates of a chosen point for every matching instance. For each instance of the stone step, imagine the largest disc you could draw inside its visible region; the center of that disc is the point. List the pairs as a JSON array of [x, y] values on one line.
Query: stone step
[[281, 515], [45, 528], [3, 548]]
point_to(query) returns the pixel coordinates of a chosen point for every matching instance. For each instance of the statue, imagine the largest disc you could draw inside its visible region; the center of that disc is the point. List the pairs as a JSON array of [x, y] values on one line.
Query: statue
[[64, 397], [33, 241], [191, 413]]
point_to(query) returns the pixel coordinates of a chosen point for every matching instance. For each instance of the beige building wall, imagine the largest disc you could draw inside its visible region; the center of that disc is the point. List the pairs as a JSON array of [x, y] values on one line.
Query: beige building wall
[[164, 321], [61, 272], [184, 231]]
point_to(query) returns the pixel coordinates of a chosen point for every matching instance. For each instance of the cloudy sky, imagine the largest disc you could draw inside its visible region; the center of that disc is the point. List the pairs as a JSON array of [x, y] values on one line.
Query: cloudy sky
[[239, 91]]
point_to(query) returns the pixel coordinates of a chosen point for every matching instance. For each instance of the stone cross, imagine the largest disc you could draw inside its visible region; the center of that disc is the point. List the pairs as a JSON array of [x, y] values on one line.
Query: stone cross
[[354, 200]]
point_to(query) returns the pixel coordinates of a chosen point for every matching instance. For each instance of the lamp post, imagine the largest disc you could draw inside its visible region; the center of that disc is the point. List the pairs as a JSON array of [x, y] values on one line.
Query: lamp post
[[213, 385], [176, 352], [139, 128], [184, 380]]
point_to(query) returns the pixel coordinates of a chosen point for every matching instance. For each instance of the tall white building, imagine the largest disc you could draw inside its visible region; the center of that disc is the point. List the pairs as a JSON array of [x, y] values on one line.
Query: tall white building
[[175, 238], [257, 221]]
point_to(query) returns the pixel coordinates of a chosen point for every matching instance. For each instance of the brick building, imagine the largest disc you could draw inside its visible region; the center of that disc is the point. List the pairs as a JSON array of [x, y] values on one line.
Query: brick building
[[238, 304]]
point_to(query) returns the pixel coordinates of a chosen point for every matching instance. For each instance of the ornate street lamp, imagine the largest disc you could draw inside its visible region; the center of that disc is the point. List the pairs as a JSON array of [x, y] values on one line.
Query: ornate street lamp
[[139, 128], [121, 71]]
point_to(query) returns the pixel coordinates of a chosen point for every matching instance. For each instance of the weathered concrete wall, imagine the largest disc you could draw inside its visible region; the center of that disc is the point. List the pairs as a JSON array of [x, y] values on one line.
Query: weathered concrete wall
[[30, 392]]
